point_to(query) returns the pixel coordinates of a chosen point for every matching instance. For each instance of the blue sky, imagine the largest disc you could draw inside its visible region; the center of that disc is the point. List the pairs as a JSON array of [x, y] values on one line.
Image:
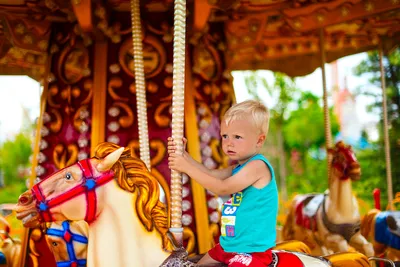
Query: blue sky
[[17, 91]]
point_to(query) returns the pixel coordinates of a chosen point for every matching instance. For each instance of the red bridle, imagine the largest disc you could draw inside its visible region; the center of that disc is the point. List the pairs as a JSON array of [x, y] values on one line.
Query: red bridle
[[88, 186], [349, 159]]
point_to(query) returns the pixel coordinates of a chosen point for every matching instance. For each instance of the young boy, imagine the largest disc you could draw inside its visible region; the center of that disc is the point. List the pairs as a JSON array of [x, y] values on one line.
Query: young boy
[[248, 222]]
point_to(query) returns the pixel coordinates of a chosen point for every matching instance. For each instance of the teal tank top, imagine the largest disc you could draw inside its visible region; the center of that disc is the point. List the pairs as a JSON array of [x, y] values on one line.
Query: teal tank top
[[248, 219]]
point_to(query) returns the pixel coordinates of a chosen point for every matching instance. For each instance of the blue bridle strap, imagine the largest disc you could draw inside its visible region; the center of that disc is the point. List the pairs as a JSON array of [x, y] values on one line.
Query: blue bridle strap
[[69, 238], [81, 263]]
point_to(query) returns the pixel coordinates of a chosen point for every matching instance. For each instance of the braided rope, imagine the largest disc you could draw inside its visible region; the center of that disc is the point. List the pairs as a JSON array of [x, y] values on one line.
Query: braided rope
[[178, 105], [327, 121], [386, 132], [140, 83]]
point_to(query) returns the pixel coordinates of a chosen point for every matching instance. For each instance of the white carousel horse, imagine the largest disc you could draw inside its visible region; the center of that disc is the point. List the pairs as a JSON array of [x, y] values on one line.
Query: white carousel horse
[[68, 241], [330, 222], [119, 198]]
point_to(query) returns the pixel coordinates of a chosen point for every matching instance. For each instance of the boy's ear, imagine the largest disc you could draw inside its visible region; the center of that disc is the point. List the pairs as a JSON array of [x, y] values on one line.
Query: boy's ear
[[261, 139]]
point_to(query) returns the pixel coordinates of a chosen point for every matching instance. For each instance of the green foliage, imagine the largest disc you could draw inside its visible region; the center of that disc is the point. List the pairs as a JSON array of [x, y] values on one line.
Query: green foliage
[[14, 157], [371, 68], [304, 129]]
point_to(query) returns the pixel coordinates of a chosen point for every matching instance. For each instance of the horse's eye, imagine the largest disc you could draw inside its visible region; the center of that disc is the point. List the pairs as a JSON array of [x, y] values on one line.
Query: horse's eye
[[68, 176], [54, 244]]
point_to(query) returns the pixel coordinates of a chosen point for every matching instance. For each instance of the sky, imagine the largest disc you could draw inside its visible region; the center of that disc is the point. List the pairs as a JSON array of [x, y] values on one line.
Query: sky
[[18, 91]]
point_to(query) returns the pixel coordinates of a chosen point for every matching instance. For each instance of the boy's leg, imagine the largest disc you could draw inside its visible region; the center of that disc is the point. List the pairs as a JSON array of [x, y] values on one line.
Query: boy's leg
[[206, 259], [251, 260]]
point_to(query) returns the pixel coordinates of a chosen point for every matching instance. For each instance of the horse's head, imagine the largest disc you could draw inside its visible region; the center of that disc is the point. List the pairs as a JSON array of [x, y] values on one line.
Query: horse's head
[[73, 193], [68, 241], [344, 163]]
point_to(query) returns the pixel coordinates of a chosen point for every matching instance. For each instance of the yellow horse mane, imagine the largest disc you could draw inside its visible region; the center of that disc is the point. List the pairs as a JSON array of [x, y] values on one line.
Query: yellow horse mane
[[133, 176]]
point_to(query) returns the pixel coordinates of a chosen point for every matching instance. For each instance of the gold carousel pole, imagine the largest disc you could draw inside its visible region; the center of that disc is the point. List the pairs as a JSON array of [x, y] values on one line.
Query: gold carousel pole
[[140, 83], [25, 235], [178, 105], [327, 121], [386, 131]]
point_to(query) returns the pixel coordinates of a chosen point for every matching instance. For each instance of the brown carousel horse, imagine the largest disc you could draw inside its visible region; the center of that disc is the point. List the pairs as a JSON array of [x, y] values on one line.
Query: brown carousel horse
[[10, 249], [68, 242], [383, 229], [119, 198], [330, 222]]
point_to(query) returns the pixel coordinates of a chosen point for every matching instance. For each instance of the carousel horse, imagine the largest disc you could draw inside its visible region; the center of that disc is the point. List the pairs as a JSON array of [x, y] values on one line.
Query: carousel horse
[[383, 229], [119, 198], [10, 249], [68, 242], [330, 222]]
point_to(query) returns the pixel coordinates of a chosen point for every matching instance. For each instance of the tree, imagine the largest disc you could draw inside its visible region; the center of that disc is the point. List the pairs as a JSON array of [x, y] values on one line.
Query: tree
[[14, 156], [282, 90], [370, 67]]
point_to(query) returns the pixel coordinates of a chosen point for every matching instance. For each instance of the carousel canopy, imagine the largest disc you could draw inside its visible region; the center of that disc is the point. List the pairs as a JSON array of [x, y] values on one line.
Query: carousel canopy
[[279, 35]]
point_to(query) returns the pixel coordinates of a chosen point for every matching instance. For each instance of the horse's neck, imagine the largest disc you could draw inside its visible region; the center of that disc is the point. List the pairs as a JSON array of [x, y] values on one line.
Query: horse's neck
[[341, 200], [117, 238]]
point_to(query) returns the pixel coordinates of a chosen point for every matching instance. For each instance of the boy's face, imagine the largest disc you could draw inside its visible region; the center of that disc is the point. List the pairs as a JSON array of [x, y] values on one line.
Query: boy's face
[[241, 139]]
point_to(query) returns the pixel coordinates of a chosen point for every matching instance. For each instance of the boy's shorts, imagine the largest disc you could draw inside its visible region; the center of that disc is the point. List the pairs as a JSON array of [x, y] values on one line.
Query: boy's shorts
[[256, 259]]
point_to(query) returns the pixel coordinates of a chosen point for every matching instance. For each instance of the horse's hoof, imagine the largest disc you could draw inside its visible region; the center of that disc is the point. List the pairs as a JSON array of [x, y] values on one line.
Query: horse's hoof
[[391, 222]]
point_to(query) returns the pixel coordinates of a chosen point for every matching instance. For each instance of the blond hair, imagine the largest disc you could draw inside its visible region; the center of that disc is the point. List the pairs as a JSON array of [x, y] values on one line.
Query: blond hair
[[256, 110]]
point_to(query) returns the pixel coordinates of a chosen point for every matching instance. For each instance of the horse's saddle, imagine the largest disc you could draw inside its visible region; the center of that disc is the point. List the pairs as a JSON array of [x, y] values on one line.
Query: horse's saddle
[[310, 208], [387, 230], [306, 210]]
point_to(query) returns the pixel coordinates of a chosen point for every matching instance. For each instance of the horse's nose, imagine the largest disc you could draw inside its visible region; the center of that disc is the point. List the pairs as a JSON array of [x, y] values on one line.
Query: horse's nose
[[25, 198]]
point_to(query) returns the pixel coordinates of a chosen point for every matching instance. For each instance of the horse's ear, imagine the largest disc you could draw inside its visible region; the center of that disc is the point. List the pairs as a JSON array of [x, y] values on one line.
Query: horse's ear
[[106, 163]]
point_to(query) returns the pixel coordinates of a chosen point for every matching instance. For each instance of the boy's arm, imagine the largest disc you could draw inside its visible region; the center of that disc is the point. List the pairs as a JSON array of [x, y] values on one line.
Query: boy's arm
[[241, 180], [217, 173]]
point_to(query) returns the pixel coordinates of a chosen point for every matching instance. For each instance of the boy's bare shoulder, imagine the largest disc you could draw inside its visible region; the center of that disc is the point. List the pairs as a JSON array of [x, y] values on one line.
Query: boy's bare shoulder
[[260, 169]]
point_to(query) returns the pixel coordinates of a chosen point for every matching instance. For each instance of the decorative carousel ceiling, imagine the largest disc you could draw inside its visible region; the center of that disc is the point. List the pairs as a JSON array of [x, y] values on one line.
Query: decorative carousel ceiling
[[280, 35]]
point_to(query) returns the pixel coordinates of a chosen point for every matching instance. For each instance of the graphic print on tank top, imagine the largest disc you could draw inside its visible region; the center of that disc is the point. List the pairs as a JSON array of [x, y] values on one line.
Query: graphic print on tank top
[[229, 211]]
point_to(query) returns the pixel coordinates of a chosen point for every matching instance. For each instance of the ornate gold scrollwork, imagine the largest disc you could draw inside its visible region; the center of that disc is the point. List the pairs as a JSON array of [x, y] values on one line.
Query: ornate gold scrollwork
[[73, 63], [207, 62], [60, 155], [163, 121], [116, 82], [218, 154], [56, 124], [191, 239], [214, 232], [88, 86], [154, 56], [125, 121], [53, 91], [35, 236]]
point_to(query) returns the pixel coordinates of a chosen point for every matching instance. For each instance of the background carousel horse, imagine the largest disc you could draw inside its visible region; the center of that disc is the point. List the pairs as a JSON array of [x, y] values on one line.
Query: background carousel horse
[[68, 241], [119, 198], [382, 228], [330, 222], [10, 249]]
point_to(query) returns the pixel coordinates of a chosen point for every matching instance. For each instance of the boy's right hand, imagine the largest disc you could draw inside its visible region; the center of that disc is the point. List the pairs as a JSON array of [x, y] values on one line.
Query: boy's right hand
[[172, 145]]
